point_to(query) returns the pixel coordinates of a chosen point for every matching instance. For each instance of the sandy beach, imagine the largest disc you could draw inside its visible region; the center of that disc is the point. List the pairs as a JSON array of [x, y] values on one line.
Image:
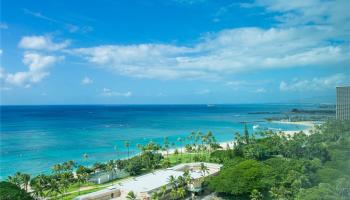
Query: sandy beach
[[310, 125]]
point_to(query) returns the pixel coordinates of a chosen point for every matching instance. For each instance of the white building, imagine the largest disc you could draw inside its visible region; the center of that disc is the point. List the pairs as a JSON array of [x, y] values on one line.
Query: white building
[[143, 186], [343, 103]]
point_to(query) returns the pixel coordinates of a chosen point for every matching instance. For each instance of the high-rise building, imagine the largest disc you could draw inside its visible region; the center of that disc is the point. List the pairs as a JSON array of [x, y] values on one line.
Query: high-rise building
[[343, 103]]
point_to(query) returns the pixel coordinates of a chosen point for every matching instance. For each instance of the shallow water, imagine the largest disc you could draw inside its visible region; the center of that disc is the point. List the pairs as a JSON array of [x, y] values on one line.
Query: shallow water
[[33, 138]]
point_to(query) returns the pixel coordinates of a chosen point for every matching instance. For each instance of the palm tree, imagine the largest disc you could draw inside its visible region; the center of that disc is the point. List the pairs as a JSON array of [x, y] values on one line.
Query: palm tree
[[111, 165], [116, 150], [68, 166], [85, 157], [166, 145], [181, 181], [204, 140], [16, 179], [53, 186], [20, 179], [173, 182], [131, 196], [180, 140], [188, 148], [57, 169], [81, 178], [187, 176], [181, 192], [204, 169], [65, 180], [127, 145], [163, 191], [255, 195], [246, 134], [173, 193], [25, 181], [166, 163], [39, 185], [192, 137], [197, 138], [154, 196]]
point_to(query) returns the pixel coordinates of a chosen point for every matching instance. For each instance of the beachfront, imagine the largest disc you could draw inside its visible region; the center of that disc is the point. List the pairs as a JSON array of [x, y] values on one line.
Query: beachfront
[[148, 178]]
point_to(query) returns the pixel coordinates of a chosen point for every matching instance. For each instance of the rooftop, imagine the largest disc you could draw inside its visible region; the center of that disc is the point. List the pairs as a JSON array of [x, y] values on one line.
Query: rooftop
[[151, 181], [156, 179]]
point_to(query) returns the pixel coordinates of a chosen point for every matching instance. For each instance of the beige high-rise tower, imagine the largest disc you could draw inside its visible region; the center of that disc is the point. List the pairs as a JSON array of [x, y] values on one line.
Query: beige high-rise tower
[[343, 103]]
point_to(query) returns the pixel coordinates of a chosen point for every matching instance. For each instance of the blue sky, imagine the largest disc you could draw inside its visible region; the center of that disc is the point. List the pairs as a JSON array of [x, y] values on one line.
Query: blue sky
[[170, 52]]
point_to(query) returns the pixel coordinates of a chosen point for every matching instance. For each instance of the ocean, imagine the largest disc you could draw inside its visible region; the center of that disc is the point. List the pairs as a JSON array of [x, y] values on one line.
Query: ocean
[[34, 138]]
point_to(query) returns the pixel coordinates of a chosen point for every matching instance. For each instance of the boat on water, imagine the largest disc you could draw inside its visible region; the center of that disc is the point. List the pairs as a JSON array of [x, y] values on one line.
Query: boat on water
[[256, 126]]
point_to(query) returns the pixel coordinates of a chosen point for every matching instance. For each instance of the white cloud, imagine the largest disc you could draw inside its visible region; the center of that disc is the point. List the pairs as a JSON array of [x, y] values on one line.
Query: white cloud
[[2, 73], [223, 53], [109, 93], [260, 90], [315, 84], [3, 26], [42, 43], [204, 91], [301, 12], [38, 65], [72, 28], [86, 81]]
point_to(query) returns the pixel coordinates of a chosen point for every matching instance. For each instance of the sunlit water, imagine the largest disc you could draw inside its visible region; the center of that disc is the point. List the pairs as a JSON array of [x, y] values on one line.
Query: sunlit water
[[33, 138]]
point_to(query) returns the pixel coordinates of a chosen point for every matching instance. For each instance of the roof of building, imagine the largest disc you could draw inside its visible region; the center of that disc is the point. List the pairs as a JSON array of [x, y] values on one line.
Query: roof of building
[[152, 181]]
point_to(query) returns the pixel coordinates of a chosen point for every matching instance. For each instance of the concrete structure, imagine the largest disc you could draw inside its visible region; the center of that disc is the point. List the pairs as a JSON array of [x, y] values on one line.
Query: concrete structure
[[343, 103], [103, 177], [144, 186]]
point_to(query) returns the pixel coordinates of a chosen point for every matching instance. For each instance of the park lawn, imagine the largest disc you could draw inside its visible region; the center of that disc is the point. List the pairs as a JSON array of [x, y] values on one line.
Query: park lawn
[[75, 186], [76, 194], [186, 157]]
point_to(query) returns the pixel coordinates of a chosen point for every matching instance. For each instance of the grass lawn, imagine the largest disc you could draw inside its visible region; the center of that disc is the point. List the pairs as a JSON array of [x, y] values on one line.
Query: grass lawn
[[75, 194], [187, 157]]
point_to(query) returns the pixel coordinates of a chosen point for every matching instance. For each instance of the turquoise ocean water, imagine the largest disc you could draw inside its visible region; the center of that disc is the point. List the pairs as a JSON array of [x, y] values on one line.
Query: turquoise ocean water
[[33, 138]]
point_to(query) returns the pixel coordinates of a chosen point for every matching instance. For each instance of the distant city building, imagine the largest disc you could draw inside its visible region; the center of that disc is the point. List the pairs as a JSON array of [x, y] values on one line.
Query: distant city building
[[343, 103]]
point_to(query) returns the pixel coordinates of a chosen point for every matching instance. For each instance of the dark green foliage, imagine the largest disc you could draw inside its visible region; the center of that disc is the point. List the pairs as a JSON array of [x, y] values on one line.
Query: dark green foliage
[[10, 191], [247, 175], [301, 166], [221, 156], [83, 170], [134, 167]]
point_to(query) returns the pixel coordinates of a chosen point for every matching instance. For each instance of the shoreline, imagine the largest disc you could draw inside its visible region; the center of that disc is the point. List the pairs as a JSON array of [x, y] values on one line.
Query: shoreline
[[310, 125], [224, 144]]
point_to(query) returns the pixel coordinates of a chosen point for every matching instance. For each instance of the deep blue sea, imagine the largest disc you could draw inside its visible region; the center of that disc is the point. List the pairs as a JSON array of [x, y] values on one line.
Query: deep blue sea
[[33, 138]]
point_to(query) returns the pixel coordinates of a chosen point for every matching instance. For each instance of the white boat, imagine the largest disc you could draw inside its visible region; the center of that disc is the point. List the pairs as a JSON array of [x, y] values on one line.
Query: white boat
[[256, 126]]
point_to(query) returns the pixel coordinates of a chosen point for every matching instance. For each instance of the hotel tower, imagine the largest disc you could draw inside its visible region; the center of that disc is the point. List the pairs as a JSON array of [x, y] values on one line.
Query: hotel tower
[[343, 103]]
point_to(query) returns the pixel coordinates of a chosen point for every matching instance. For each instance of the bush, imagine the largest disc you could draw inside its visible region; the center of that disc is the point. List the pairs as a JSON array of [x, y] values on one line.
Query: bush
[[247, 175], [9, 191]]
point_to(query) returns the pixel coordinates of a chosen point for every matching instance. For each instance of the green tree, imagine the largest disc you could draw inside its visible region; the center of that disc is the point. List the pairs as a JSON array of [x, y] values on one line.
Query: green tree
[[131, 196], [163, 190], [127, 145], [255, 195], [204, 169], [249, 174], [181, 193], [10, 191], [111, 165], [154, 196]]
